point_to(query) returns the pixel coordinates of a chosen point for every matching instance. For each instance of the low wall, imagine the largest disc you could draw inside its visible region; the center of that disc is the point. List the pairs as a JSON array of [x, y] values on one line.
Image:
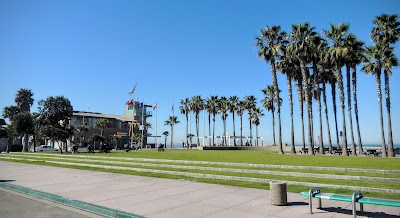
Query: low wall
[[235, 148]]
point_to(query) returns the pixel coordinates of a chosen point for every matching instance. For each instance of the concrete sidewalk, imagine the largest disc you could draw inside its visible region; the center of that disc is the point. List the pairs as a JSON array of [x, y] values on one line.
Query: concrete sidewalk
[[155, 197]]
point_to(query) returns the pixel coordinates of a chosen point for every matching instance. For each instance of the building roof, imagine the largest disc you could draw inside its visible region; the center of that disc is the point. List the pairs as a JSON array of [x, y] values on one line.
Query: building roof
[[122, 118]]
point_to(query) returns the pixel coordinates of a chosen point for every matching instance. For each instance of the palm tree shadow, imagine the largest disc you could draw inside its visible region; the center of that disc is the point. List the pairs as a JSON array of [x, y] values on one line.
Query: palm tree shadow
[[350, 212], [7, 180]]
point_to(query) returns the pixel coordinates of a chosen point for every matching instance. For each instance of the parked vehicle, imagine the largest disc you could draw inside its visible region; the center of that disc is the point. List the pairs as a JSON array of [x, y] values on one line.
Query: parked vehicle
[[41, 148]]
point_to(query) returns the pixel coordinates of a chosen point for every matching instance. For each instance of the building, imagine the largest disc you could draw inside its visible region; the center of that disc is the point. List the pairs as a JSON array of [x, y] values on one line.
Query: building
[[135, 112]]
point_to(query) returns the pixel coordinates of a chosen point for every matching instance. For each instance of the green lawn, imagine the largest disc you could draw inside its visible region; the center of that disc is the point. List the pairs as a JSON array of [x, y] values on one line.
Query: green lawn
[[252, 157]]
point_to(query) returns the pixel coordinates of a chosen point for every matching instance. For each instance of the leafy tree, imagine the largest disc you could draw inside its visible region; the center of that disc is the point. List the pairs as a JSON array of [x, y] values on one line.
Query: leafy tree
[[54, 116], [24, 101]]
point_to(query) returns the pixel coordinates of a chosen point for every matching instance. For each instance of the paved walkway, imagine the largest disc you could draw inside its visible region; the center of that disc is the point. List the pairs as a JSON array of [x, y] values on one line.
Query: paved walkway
[[155, 197]]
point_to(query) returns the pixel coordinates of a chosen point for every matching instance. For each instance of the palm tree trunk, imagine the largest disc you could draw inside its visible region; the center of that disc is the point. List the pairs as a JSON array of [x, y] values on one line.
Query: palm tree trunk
[[172, 134], [333, 89], [305, 76], [197, 129], [234, 129], [353, 147], [326, 116], [26, 141], [387, 95], [213, 142], [275, 84], [273, 126], [354, 79], [225, 144], [209, 128], [289, 82], [251, 136], [321, 139], [257, 135], [187, 128], [241, 130], [301, 103], [342, 104], [378, 89]]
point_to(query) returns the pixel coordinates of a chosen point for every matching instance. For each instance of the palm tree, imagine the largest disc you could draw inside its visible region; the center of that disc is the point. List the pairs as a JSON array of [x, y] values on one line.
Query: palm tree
[[222, 106], [269, 43], [302, 39], [190, 136], [241, 107], [257, 113], [268, 103], [300, 94], [288, 67], [24, 100], [337, 35], [250, 104], [208, 106], [185, 109], [333, 82], [387, 33], [373, 65], [196, 106], [172, 120], [353, 58], [317, 94], [166, 134], [326, 76], [232, 106], [81, 130], [102, 124], [214, 111]]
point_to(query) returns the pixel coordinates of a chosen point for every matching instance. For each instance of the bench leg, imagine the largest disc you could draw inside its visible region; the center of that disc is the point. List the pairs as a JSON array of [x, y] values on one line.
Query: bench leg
[[361, 207], [319, 203]]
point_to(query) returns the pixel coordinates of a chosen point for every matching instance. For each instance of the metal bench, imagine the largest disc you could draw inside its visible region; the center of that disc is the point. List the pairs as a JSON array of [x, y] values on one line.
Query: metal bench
[[357, 197]]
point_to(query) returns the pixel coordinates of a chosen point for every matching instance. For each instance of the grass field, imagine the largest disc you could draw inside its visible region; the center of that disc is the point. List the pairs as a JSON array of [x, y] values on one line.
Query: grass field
[[163, 162]]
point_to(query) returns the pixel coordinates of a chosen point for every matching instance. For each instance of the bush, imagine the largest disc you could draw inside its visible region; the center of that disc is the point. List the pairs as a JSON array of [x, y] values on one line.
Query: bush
[[16, 148]]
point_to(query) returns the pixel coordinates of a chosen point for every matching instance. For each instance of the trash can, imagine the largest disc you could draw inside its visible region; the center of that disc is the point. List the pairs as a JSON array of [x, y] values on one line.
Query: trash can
[[278, 193]]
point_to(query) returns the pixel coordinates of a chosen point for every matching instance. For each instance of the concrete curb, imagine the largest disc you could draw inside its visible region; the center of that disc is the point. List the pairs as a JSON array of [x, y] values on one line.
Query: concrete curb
[[69, 202], [214, 176], [235, 164], [263, 172]]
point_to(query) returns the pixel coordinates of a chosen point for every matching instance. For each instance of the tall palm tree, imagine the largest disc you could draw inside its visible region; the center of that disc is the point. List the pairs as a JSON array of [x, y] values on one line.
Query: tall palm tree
[[269, 43], [317, 94], [353, 58], [288, 67], [333, 82], [214, 111], [337, 35], [172, 120], [373, 65], [302, 39], [24, 100], [184, 108], [300, 95], [268, 103], [208, 107], [326, 76], [166, 134], [232, 106], [241, 107], [387, 33], [197, 105], [222, 106], [250, 104], [257, 113]]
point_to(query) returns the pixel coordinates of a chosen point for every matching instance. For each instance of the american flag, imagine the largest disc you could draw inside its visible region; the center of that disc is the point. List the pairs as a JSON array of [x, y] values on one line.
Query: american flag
[[133, 90]]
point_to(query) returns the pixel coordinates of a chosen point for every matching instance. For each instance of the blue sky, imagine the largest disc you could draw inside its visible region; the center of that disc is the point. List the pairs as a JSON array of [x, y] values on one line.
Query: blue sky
[[94, 51]]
